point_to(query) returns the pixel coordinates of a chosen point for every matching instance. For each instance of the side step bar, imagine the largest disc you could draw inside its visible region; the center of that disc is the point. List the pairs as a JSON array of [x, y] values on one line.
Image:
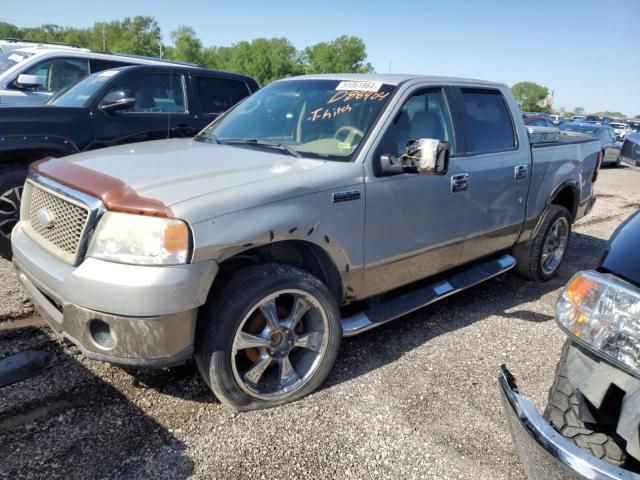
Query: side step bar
[[421, 297]]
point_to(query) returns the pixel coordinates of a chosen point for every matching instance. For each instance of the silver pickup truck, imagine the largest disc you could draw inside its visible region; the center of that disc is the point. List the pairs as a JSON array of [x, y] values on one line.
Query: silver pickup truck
[[318, 208]]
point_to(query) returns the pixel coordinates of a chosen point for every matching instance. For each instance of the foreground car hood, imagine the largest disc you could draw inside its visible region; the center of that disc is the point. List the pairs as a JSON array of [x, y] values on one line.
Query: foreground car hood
[[621, 255], [174, 171]]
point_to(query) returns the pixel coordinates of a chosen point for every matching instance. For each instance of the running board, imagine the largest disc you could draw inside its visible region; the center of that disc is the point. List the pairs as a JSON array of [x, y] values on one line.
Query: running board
[[416, 299]]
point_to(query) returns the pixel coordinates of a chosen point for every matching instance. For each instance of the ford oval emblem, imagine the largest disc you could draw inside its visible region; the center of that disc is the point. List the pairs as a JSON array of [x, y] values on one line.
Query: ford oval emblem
[[45, 217]]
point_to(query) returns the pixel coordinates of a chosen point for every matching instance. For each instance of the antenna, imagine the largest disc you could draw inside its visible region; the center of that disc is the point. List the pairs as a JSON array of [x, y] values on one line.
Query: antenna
[[390, 62]]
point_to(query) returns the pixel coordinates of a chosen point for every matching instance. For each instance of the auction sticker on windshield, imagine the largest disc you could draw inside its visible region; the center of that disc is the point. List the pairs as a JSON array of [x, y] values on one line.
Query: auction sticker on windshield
[[359, 85]]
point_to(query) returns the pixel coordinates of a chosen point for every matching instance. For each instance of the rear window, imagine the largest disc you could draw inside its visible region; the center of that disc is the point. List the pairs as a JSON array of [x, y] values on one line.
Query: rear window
[[218, 95], [490, 123]]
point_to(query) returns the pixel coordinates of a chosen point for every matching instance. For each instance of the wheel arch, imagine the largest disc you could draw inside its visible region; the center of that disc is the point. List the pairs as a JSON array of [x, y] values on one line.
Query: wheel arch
[[566, 195], [302, 254]]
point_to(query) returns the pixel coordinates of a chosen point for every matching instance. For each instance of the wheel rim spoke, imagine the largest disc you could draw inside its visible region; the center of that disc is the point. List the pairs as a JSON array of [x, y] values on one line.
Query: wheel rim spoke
[[310, 341], [270, 313], [246, 340], [288, 375], [255, 373], [299, 309]]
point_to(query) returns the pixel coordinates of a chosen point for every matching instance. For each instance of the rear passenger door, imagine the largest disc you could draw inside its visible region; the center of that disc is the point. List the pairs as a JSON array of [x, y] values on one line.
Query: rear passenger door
[[160, 111], [499, 172], [216, 95]]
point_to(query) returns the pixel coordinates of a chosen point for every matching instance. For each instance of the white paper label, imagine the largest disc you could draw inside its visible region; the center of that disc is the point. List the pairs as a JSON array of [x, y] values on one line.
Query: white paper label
[[359, 85]]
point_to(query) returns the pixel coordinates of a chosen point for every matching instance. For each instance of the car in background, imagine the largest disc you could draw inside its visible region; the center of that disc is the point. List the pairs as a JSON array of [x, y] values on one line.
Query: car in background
[[558, 119], [609, 145], [31, 75], [579, 117], [541, 128], [112, 107], [9, 44], [630, 151], [597, 119], [634, 124], [590, 428], [621, 130]]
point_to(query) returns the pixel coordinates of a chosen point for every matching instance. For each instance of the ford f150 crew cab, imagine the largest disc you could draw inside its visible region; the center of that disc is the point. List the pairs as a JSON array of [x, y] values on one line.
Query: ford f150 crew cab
[[319, 207], [112, 107]]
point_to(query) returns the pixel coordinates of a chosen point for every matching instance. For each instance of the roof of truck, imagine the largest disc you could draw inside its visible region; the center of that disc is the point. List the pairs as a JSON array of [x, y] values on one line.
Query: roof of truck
[[391, 78]]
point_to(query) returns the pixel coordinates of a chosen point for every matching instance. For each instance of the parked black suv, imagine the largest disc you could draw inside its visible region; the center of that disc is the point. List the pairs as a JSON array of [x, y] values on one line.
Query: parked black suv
[[112, 107]]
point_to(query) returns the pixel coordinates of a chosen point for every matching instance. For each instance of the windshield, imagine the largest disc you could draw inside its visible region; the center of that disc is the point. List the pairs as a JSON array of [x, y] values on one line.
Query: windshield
[[617, 125], [9, 60], [572, 127], [325, 119], [77, 95]]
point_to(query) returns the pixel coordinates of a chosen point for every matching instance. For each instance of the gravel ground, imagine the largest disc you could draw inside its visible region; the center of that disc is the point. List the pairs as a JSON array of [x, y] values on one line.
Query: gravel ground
[[416, 398]]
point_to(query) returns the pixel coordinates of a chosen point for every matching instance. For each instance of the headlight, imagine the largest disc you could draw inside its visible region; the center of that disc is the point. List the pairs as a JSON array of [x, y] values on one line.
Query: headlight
[[603, 313], [127, 238]]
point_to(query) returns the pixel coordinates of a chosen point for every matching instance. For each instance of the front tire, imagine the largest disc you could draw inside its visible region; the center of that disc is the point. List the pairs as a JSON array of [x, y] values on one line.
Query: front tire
[[562, 412], [11, 185], [540, 258], [269, 337]]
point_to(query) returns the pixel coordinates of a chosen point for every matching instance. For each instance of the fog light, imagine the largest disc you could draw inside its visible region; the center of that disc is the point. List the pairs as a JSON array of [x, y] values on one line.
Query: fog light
[[101, 334]]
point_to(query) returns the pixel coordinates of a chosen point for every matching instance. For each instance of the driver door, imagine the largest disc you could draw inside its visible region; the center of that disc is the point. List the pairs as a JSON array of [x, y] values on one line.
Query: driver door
[[415, 224], [160, 111]]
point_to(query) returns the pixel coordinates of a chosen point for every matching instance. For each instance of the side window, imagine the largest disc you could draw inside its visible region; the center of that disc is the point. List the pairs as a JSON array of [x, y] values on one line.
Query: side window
[[424, 115], [489, 121], [59, 73], [154, 93], [97, 64], [218, 95]]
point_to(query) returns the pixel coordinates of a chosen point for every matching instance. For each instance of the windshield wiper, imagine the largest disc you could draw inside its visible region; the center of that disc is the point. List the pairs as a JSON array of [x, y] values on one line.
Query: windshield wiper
[[207, 136], [255, 141]]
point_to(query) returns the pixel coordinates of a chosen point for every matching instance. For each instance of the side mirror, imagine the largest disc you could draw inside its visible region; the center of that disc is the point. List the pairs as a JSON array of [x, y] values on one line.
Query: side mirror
[[28, 81], [425, 156], [117, 100]]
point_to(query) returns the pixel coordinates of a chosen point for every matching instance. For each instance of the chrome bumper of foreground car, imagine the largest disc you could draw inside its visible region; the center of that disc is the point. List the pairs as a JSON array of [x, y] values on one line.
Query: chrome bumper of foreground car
[[545, 453]]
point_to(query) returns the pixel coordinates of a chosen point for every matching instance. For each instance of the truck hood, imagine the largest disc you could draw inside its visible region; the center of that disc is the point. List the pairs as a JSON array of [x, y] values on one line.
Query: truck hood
[[178, 170]]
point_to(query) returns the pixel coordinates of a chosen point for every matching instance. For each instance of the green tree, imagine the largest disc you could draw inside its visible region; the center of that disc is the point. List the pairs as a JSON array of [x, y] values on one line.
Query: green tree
[[529, 96], [9, 31], [345, 54], [637, 117], [187, 47], [578, 111]]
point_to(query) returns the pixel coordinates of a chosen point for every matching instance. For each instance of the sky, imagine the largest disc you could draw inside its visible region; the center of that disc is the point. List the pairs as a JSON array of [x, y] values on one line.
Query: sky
[[586, 51]]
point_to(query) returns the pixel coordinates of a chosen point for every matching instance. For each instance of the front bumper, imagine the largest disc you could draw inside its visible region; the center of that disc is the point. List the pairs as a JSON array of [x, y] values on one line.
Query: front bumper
[[544, 453], [123, 314]]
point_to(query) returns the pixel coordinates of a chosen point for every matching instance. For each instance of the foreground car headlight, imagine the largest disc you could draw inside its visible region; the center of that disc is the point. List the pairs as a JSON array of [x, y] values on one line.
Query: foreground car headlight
[[136, 239], [603, 313]]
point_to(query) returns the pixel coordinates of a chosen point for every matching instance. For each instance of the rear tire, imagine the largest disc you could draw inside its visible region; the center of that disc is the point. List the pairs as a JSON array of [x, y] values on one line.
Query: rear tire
[[11, 185], [540, 258], [270, 336], [562, 413]]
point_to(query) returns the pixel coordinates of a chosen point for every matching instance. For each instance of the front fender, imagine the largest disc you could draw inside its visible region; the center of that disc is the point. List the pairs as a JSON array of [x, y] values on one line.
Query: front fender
[[337, 228], [51, 143]]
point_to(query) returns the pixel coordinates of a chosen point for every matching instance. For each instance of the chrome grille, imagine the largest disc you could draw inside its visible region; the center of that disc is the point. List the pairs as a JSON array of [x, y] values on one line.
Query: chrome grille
[[69, 220]]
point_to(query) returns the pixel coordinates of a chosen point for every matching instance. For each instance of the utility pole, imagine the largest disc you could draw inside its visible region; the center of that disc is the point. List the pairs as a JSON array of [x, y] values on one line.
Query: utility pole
[[390, 61], [104, 40]]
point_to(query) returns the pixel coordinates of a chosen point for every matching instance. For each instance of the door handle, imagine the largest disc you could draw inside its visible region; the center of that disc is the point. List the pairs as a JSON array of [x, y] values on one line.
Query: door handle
[[460, 183], [521, 171]]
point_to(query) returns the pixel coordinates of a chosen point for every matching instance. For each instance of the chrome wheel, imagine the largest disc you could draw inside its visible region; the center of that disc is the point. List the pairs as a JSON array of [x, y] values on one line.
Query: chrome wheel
[[9, 210], [280, 344], [555, 245]]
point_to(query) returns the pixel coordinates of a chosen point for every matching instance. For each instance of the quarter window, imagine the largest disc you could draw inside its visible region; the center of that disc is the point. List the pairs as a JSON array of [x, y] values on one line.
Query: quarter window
[[490, 123], [218, 95], [424, 115], [154, 93]]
